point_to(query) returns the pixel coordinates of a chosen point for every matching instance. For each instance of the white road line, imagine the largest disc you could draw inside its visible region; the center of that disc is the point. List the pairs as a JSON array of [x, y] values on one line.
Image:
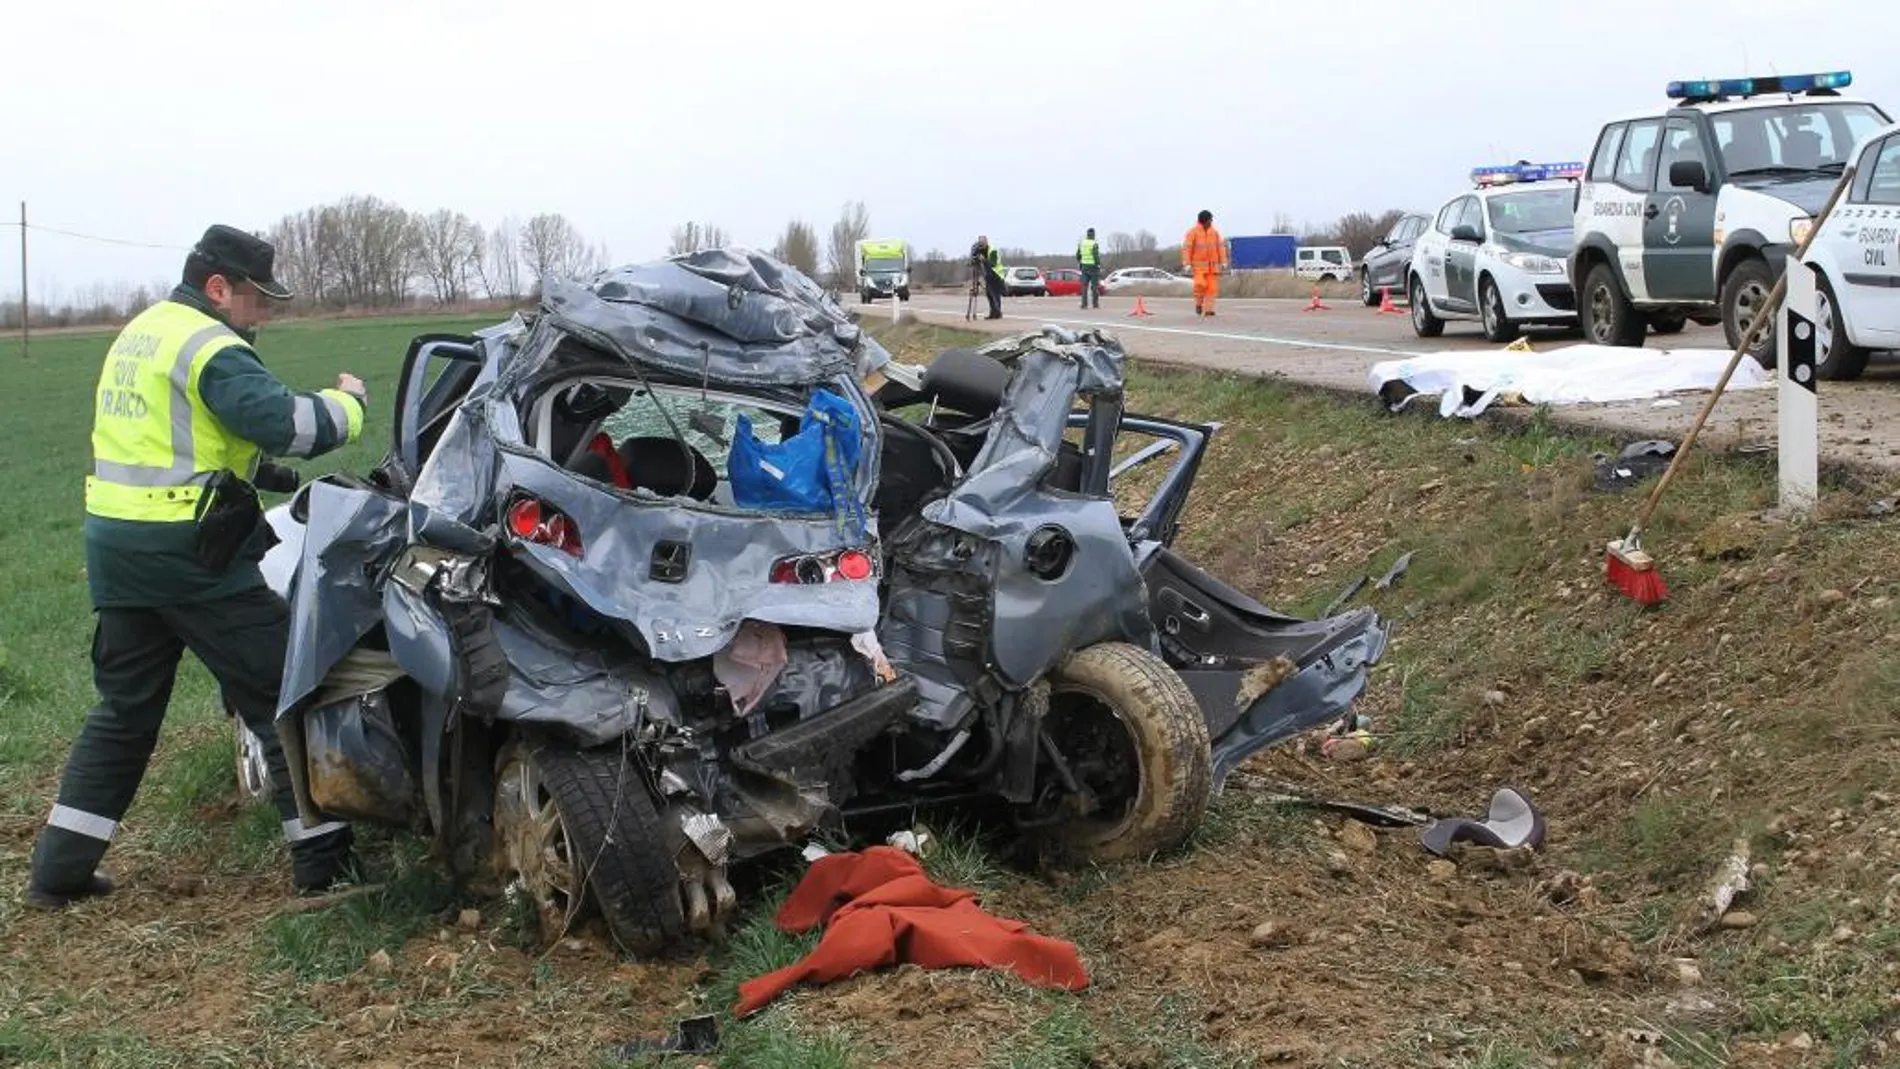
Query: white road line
[[1291, 343]]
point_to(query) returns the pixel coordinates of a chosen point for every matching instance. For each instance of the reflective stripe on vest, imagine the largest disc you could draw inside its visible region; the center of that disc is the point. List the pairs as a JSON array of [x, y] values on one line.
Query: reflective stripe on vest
[[1087, 252], [996, 261], [154, 444]]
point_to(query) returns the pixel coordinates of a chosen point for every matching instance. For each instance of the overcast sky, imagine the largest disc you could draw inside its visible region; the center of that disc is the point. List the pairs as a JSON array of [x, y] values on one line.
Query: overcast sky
[[1024, 119]]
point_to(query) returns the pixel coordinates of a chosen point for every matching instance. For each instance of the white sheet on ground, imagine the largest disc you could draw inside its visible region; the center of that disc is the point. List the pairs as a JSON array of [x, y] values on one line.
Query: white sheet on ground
[[1573, 375]]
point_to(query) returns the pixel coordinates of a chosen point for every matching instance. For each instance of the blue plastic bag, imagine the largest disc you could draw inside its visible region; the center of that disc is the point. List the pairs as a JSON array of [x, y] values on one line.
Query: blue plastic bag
[[809, 472]]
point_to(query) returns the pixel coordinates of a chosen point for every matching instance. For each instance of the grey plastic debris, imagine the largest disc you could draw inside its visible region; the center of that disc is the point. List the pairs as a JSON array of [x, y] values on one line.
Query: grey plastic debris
[[1396, 572], [1511, 821]]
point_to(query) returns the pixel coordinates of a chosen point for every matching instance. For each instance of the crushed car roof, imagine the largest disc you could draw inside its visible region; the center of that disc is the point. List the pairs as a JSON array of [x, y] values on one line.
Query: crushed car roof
[[723, 315]]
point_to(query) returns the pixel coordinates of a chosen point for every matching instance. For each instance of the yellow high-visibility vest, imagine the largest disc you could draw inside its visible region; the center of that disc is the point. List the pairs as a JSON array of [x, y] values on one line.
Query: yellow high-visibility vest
[[154, 444], [1086, 251]]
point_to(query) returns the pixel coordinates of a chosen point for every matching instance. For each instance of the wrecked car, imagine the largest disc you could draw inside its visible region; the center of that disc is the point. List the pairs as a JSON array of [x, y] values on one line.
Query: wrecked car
[[682, 570]]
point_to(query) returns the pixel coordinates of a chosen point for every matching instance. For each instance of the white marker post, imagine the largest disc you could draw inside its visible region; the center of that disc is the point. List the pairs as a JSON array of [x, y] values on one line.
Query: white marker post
[[1798, 408]]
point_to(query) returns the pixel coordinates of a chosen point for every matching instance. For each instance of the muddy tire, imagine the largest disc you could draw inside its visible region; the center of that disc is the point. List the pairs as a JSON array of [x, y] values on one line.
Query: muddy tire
[[1132, 732], [1425, 322], [576, 831], [1497, 323], [1606, 316], [1744, 293], [1836, 357]]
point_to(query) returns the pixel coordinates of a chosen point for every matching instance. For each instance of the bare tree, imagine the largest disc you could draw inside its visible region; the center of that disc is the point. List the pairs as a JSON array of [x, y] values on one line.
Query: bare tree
[[841, 255], [553, 248], [504, 261], [685, 239], [447, 241], [1147, 249], [1359, 231], [373, 250], [798, 246], [690, 237], [1121, 244], [1282, 223]]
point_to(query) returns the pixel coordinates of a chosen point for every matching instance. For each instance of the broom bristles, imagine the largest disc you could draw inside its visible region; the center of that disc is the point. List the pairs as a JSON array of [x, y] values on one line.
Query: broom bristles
[[1633, 572]]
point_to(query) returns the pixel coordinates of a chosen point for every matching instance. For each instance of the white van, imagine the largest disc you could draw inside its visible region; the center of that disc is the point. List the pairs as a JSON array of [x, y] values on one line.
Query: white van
[[1323, 263]]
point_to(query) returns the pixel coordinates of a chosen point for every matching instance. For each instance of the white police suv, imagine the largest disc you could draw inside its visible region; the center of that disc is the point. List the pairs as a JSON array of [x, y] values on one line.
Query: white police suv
[[1689, 212], [1496, 254], [1856, 262]]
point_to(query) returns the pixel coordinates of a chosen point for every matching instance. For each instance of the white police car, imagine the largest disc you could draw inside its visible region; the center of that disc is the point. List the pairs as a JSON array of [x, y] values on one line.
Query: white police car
[[1496, 254], [1689, 212], [1856, 261]]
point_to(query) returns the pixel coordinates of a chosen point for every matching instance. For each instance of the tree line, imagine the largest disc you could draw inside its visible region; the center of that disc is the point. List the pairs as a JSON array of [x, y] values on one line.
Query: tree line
[[367, 253]]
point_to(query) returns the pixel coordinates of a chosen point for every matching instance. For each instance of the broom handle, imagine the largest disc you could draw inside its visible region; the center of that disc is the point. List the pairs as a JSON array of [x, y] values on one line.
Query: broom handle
[[1769, 309]]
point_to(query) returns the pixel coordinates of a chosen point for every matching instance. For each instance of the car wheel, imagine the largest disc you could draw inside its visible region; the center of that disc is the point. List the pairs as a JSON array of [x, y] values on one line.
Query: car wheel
[[1607, 318], [1744, 295], [1425, 322], [1366, 296], [1497, 324], [1836, 357], [575, 830], [1668, 322], [1130, 732]]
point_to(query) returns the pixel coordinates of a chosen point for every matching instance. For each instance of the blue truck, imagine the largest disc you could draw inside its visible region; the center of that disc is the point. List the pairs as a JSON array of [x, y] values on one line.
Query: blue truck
[[1263, 250]]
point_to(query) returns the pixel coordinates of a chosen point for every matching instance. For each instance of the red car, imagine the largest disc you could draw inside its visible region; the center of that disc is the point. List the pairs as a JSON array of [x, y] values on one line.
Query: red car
[[1063, 282]]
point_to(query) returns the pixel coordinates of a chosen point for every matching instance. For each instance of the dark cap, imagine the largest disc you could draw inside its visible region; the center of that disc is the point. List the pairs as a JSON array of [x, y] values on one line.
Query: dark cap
[[228, 251]]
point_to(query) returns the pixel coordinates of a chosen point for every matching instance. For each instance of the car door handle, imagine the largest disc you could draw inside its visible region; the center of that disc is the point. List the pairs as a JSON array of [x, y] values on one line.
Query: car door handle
[[1651, 212]]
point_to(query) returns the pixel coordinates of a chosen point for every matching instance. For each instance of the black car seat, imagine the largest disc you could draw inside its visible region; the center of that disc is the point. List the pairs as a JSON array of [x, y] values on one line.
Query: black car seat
[[661, 465]]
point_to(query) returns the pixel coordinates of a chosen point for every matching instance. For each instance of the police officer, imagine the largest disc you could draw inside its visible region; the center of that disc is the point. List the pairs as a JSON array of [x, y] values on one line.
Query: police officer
[[184, 413], [990, 259], [1088, 256]]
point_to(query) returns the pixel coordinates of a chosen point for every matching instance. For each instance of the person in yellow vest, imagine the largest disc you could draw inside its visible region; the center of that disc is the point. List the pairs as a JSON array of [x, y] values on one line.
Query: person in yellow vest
[[1088, 256], [990, 259], [183, 420]]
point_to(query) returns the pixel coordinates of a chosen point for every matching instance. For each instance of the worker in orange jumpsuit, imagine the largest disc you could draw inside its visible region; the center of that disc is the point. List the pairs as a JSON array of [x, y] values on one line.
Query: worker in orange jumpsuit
[[1204, 256]]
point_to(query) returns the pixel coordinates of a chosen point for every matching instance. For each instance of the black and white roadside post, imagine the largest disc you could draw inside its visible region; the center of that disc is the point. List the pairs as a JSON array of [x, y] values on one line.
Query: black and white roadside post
[[1798, 407]]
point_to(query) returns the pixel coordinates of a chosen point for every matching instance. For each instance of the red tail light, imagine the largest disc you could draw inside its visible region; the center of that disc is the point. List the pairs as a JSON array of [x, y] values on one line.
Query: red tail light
[[854, 565], [531, 521], [846, 566]]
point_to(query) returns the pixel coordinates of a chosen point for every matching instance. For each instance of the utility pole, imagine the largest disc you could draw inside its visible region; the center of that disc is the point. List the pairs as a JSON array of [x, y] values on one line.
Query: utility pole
[[26, 330]]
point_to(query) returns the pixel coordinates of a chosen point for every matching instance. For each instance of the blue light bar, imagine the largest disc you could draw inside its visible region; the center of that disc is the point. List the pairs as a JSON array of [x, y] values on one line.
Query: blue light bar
[[1748, 87], [1506, 174]]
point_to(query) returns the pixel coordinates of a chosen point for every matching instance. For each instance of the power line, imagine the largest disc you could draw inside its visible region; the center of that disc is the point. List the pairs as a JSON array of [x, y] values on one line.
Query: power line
[[94, 237]]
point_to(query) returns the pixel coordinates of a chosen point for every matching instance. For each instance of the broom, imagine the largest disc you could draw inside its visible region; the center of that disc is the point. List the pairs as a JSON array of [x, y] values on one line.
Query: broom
[[1626, 565]]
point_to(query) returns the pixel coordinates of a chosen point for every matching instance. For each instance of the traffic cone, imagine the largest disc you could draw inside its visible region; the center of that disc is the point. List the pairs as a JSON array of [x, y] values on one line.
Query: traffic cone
[[1141, 308], [1521, 345], [1386, 307], [1316, 305]]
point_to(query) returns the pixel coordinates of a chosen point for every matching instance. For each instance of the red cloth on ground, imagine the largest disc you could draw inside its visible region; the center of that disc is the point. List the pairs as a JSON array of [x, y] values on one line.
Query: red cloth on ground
[[880, 910]]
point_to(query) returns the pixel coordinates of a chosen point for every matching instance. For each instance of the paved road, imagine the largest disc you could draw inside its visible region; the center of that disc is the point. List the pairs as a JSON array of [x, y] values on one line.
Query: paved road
[[1860, 421]]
